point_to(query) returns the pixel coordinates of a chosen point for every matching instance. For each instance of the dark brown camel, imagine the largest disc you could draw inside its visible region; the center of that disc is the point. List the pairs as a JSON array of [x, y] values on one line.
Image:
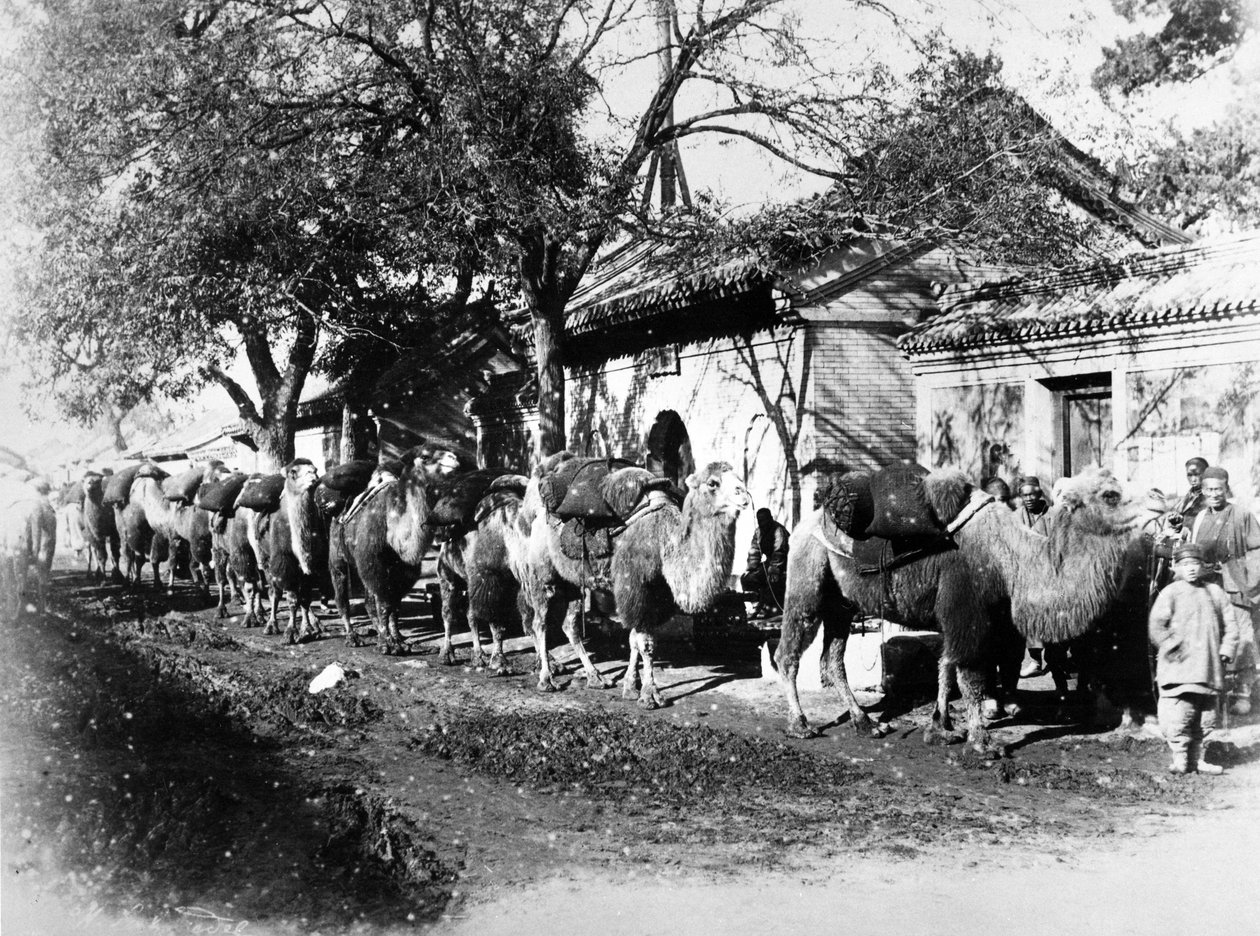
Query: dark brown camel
[[667, 559], [191, 528], [245, 540], [479, 571], [99, 528], [1051, 587], [383, 539], [297, 552], [148, 525]]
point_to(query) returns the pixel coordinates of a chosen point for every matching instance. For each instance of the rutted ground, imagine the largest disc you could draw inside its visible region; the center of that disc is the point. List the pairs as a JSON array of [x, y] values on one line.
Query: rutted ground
[[162, 761]]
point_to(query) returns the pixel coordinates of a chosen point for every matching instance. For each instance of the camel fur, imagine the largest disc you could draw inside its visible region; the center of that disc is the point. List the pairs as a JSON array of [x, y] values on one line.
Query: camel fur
[[667, 559], [1052, 588], [244, 539], [297, 552], [190, 526], [100, 530], [28, 540], [382, 540], [480, 571], [149, 527]]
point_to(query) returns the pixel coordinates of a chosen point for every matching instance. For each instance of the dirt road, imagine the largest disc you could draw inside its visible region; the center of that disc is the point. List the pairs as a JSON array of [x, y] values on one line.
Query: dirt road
[[168, 772]]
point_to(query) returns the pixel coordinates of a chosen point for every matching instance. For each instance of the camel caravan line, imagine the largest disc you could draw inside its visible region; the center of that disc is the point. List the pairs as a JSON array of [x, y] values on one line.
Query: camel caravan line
[[926, 549]]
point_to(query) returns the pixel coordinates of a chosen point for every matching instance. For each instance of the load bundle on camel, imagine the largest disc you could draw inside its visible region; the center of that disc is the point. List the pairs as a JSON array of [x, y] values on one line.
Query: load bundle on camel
[[100, 530], [382, 538], [184, 486], [988, 572], [28, 540], [667, 558], [146, 523], [262, 492], [480, 561]]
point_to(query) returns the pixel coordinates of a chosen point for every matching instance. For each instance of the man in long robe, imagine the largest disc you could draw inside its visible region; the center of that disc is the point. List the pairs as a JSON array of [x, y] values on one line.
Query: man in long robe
[[1230, 537]]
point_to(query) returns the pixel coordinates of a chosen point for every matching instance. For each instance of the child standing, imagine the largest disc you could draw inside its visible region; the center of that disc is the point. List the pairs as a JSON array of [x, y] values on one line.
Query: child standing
[[1196, 635]]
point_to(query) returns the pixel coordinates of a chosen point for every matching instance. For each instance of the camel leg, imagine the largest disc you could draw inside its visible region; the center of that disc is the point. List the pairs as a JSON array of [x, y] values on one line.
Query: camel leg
[[311, 629], [836, 629], [291, 633], [339, 572], [809, 585], [390, 641], [273, 626], [649, 698], [253, 604], [593, 678], [971, 683], [630, 684], [454, 608], [940, 729], [551, 605]]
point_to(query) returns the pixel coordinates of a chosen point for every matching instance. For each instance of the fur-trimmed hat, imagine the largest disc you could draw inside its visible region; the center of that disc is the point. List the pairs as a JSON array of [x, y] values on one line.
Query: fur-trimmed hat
[[1189, 551], [1197, 460], [1217, 472], [1032, 480]]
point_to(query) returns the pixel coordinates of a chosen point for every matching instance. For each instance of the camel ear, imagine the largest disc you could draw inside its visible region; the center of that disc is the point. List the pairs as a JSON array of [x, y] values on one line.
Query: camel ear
[[692, 481]]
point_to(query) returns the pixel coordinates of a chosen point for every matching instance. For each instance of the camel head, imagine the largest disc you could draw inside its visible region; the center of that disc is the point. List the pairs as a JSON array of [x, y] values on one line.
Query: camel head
[[1096, 503], [718, 490], [429, 461], [300, 476]]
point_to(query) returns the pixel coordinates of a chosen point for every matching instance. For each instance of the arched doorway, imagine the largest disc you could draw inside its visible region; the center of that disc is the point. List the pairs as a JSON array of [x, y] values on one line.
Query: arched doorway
[[669, 448]]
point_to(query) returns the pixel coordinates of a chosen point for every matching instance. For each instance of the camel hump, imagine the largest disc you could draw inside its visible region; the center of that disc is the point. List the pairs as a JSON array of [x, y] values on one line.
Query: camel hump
[[220, 496], [118, 487], [183, 486], [150, 470], [349, 478], [509, 483], [624, 488], [261, 492]]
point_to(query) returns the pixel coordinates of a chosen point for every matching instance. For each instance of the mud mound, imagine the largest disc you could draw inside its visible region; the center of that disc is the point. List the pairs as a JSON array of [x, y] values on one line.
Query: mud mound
[[1118, 783], [341, 706], [606, 754]]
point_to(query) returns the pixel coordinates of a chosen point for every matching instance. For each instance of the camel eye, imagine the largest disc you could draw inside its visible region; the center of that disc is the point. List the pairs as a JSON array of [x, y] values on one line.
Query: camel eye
[[1111, 498]]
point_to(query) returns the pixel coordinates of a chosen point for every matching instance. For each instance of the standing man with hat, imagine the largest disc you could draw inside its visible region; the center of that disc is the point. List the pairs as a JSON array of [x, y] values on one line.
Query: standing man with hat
[[1230, 538], [1033, 512]]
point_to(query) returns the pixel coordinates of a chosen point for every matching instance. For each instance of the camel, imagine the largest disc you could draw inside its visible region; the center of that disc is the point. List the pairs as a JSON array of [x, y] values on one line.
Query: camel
[[1051, 588], [297, 552], [99, 527], [158, 515], [28, 538], [244, 540], [382, 539], [191, 525], [479, 572], [667, 559]]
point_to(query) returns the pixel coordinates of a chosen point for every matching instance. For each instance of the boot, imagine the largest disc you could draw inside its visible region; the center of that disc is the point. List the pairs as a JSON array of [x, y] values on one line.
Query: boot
[[1211, 770]]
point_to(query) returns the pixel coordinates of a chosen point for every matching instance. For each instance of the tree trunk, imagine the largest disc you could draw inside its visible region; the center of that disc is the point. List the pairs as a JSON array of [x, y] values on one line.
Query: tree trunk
[[358, 431], [275, 445], [548, 335]]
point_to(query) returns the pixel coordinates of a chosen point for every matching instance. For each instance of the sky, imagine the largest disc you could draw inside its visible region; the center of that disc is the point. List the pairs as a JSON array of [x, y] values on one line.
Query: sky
[[1049, 49]]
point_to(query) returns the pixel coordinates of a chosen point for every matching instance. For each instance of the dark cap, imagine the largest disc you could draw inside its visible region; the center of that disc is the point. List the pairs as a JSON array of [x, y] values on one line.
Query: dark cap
[[1189, 551], [1216, 472], [1201, 462], [1030, 479]]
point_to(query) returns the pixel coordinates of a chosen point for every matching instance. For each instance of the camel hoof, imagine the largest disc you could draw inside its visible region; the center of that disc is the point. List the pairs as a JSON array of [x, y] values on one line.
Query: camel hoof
[[990, 750], [353, 639], [650, 701], [866, 727], [392, 648], [271, 630], [547, 685], [222, 612], [447, 658], [935, 735], [799, 728], [479, 660], [596, 681], [290, 636]]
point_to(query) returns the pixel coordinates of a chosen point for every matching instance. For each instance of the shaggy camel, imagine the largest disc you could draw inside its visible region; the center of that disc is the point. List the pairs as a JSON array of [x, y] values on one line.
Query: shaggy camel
[[666, 559], [190, 525], [245, 540], [1051, 587], [99, 527], [297, 552], [382, 539], [144, 523], [28, 538], [480, 570]]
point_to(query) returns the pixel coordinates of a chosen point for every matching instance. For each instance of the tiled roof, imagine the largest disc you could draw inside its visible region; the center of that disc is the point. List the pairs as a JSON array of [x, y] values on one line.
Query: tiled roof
[[1209, 279], [632, 282]]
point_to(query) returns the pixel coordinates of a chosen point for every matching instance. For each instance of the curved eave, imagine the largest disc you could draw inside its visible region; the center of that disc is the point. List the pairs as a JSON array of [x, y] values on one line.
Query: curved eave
[[1122, 325]]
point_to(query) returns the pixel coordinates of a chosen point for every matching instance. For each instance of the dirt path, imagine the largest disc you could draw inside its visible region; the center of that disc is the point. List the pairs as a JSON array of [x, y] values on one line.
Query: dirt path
[[160, 761]]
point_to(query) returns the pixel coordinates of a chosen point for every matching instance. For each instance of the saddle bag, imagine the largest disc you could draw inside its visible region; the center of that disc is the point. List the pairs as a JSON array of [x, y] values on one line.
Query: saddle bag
[[183, 486], [220, 496], [261, 492]]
